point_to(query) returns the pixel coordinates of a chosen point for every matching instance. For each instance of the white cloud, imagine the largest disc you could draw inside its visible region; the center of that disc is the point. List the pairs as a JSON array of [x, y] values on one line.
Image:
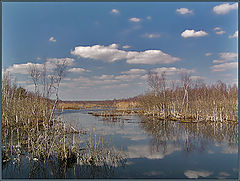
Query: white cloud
[[196, 174], [78, 70], [228, 55], [111, 53], [126, 46], [184, 11], [38, 58], [225, 8], [217, 29], [50, 64], [53, 61], [144, 77], [149, 18], [196, 77], [115, 11], [134, 71], [52, 39], [136, 20], [22, 68], [218, 61], [224, 66], [128, 77], [235, 35], [151, 35], [220, 32], [193, 33], [114, 86], [102, 77], [150, 57], [172, 70], [100, 52], [208, 54]]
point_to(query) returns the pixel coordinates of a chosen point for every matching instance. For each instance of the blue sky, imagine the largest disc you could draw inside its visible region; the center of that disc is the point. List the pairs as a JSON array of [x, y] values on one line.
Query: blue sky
[[111, 46]]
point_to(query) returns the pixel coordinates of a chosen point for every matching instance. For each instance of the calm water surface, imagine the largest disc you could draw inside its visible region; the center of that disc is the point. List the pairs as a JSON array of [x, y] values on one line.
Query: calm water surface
[[154, 149], [166, 149]]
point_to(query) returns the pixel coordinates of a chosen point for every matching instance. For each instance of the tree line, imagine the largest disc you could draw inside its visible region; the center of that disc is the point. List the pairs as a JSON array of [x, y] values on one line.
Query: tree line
[[189, 99]]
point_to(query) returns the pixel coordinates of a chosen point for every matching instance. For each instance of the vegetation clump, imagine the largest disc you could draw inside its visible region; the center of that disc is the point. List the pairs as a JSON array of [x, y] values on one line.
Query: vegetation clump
[[189, 100]]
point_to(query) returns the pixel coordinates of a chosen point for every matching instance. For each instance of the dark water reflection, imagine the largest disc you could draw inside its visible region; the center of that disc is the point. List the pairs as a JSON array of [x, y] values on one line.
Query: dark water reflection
[[154, 149], [190, 137]]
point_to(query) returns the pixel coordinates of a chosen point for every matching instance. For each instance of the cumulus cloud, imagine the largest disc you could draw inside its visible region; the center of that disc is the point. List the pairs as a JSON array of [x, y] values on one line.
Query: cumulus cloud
[[196, 174], [225, 8], [52, 62], [184, 11], [193, 33], [126, 46], [208, 54], [114, 86], [225, 57], [151, 35], [228, 55], [22, 68], [52, 39], [134, 71], [102, 77], [219, 31], [111, 53], [224, 67], [218, 61], [172, 70], [100, 52], [78, 70], [136, 20], [128, 77], [235, 35], [115, 11], [150, 57]]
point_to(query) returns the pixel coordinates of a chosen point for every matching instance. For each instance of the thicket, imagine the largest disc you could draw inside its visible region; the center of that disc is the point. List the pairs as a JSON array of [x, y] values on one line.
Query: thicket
[[31, 125], [189, 99]]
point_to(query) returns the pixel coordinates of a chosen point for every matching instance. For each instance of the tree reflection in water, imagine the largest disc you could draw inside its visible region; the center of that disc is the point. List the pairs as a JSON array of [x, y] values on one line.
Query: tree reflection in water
[[54, 168], [190, 137]]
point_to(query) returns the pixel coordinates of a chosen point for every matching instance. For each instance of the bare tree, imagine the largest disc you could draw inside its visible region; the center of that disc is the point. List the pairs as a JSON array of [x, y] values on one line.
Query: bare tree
[[154, 81], [35, 75], [186, 82]]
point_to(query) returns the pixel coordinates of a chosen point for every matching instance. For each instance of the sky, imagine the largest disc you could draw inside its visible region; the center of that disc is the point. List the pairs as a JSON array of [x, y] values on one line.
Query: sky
[[111, 46]]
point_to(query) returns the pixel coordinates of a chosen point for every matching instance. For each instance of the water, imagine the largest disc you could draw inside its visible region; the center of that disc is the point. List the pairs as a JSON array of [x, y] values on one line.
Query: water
[[154, 149]]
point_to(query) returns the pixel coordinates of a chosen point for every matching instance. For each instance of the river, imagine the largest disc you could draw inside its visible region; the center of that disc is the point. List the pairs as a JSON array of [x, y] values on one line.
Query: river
[[154, 149]]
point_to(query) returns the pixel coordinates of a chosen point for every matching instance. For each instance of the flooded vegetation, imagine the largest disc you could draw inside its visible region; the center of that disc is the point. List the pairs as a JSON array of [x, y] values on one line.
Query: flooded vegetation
[[181, 128], [34, 133]]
